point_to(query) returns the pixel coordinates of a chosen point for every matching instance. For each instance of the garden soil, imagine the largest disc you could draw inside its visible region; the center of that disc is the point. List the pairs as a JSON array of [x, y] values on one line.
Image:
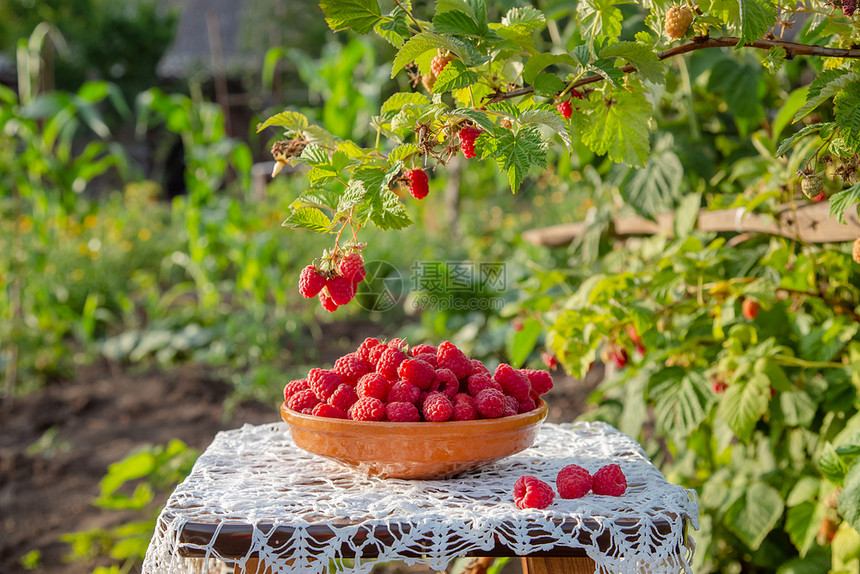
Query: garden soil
[[56, 445]]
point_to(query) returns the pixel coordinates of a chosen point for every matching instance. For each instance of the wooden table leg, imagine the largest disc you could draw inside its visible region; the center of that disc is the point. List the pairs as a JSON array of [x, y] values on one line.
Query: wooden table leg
[[559, 565]]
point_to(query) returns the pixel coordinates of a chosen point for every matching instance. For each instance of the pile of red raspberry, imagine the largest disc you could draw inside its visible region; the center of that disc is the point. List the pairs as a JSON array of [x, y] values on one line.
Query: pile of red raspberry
[[572, 482], [394, 382], [336, 287]]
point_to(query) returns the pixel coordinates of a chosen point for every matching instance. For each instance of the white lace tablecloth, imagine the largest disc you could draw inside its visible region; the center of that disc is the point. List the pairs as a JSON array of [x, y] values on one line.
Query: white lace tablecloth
[[255, 481]]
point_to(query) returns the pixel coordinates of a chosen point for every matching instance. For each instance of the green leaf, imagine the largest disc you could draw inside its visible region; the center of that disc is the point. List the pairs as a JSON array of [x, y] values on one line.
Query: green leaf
[[477, 116], [841, 201], [400, 99], [308, 218], [753, 516], [550, 119], [802, 522], [130, 468], [831, 465], [681, 399], [744, 403], [793, 103], [396, 29], [606, 68], [600, 18], [520, 23], [786, 144], [388, 212], [643, 58], [846, 106], [619, 128], [826, 85], [401, 152], [358, 15], [515, 153], [804, 490], [656, 187], [454, 76], [537, 63], [849, 500], [292, 121], [421, 43], [548, 85], [749, 19], [352, 196], [456, 22], [523, 342]]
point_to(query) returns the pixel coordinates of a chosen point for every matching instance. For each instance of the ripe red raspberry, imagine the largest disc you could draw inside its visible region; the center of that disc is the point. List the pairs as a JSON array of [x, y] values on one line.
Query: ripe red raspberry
[[512, 406], [719, 386], [678, 20], [437, 408], [619, 357], [465, 408], [363, 350], [302, 400], [422, 349], [429, 358], [343, 397], [479, 367], [573, 482], [351, 368], [389, 362], [323, 383], [750, 308], [327, 302], [351, 266], [468, 135], [480, 381], [293, 387], [532, 492], [417, 372], [565, 109], [513, 382], [310, 282], [541, 381], [445, 382], [820, 197], [376, 353], [328, 411], [439, 62], [397, 343], [448, 356], [373, 385], [419, 184], [574, 93], [340, 289], [367, 409], [609, 480], [549, 360], [849, 7], [527, 405], [402, 412], [404, 392], [491, 403]]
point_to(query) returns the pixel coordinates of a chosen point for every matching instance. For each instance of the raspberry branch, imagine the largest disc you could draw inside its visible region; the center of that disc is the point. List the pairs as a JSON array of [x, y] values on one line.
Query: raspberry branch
[[792, 49]]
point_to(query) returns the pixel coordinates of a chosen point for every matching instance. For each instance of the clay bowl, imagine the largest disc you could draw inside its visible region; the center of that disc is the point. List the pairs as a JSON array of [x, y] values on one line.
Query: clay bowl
[[419, 450]]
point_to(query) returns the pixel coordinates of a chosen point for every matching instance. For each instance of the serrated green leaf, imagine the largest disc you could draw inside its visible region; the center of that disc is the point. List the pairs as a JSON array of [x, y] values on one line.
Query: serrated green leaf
[[486, 144], [516, 153], [797, 407], [606, 68], [546, 118], [308, 218], [443, 6], [743, 405], [753, 516], [619, 129], [388, 212], [849, 500], [358, 15], [749, 19], [400, 99], [641, 57], [291, 121], [831, 465], [425, 41], [477, 116], [318, 135], [454, 76], [842, 201], [846, 106], [804, 490], [401, 152], [548, 85], [536, 64], [457, 23], [314, 155], [682, 400], [786, 144], [395, 29], [655, 187], [520, 23], [826, 85], [802, 523], [317, 198], [352, 196], [600, 19]]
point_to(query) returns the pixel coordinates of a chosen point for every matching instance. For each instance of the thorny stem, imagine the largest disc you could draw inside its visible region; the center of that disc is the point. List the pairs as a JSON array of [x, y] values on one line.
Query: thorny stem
[[792, 49], [411, 17]]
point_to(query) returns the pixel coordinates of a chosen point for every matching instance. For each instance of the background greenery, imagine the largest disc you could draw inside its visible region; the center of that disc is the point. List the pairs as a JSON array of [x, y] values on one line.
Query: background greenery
[[759, 416]]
